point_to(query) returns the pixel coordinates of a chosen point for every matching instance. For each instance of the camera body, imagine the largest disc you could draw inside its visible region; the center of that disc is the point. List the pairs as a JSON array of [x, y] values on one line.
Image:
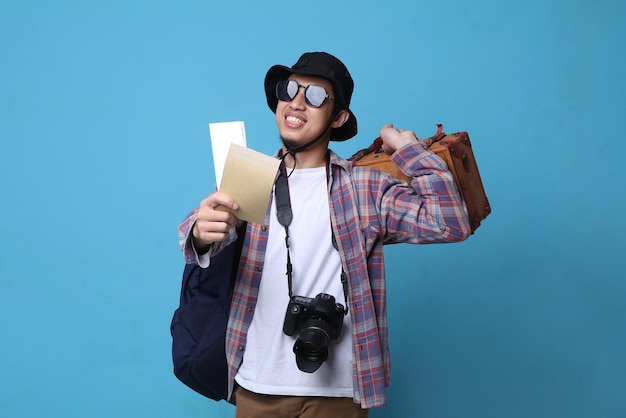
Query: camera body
[[303, 312], [317, 321]]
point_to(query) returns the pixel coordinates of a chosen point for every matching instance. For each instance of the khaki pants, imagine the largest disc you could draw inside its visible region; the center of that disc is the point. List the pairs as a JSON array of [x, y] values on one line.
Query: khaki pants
[[253, 405]]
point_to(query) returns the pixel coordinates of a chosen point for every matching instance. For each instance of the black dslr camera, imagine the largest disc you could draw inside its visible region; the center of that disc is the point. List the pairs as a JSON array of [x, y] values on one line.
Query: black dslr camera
[[317, 322]]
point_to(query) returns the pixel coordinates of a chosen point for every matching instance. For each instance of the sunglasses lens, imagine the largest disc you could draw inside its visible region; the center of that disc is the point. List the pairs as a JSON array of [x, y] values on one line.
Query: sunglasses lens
[[286, 90], [315, 95]]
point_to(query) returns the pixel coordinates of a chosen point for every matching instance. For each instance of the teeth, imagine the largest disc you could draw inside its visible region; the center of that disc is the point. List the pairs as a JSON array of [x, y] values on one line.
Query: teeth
[[294, 120]]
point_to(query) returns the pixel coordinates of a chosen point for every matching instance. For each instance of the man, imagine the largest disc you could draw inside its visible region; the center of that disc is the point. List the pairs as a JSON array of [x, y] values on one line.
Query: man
[[323, 235]]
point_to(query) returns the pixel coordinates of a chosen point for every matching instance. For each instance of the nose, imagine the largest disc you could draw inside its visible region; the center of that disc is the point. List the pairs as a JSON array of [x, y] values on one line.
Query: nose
[[298, 101]]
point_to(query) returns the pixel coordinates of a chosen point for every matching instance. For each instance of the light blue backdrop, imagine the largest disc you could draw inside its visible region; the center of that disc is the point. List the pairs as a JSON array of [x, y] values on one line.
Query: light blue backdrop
[[104, 109]]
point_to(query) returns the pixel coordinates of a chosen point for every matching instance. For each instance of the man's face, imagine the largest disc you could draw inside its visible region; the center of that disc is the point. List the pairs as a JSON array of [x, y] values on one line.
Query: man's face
[[299, 123]]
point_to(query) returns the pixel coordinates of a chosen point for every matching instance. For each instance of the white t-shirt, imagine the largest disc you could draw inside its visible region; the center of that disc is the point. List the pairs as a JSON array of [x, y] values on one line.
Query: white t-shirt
[[269, 363]]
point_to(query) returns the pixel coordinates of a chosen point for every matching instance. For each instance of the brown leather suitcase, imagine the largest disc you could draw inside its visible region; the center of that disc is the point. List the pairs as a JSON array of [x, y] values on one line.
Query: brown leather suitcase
[[456, 150]]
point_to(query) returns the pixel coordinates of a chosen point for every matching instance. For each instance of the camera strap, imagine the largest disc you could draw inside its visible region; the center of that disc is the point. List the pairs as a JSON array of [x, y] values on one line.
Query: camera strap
[[284, 214]]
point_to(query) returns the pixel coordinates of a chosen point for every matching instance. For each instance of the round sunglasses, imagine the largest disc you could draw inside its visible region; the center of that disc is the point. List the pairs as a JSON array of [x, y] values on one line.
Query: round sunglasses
[[314, 95]]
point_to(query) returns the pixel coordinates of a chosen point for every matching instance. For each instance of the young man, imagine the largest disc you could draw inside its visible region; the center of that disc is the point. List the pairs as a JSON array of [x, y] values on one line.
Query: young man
[[320, 253]]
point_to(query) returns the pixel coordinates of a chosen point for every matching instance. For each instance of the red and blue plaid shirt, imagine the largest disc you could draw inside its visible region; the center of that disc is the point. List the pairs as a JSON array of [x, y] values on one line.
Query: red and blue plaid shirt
[[368, 208]]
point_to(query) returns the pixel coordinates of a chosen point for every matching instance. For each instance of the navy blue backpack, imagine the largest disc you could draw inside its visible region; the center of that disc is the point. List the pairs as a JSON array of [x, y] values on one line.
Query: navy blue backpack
[[198, 326]]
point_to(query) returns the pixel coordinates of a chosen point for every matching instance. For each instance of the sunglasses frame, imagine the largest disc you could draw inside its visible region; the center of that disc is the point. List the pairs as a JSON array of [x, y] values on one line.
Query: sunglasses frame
[[286, 83]]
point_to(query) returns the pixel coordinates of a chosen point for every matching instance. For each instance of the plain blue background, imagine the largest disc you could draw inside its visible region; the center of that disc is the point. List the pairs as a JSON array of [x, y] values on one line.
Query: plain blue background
[[104, 109]]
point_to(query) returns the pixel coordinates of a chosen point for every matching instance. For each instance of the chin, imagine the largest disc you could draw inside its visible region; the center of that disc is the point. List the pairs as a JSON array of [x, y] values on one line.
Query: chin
[[289, 142]]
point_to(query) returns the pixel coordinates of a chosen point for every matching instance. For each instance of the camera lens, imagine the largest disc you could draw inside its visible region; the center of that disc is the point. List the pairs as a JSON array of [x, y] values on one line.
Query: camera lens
[[311, 349]]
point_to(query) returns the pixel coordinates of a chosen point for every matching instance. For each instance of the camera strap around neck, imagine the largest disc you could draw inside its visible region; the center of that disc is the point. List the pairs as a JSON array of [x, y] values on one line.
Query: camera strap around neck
[[284, 214]]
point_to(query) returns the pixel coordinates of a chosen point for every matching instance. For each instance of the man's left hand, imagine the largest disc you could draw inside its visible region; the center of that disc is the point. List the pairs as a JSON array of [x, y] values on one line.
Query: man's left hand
[[394, 139]]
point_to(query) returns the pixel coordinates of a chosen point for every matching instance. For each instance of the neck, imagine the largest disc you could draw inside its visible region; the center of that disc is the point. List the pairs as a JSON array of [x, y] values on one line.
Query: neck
[[310, 158], [311, 154]]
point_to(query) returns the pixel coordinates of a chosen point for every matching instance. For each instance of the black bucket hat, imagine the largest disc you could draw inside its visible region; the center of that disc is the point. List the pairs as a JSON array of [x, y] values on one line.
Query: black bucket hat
[[324, 65]]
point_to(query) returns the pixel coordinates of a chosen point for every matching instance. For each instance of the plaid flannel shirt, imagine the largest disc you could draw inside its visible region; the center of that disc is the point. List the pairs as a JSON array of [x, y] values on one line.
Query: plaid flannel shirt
[[368, 208]]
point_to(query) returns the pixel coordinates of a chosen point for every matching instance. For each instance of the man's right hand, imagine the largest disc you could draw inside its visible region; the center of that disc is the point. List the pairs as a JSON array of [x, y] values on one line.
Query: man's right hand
[[212, 225]]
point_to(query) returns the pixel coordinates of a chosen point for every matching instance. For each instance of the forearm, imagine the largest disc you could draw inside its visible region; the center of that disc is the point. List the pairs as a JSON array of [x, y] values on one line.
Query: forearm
[[192, 249], [441, 212]]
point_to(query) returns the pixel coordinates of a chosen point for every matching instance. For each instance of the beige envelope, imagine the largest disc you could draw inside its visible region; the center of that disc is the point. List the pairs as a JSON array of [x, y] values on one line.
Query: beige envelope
[[248, 178]]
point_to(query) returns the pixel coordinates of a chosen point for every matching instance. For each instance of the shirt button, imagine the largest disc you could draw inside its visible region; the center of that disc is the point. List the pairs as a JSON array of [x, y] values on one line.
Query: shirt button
[[259, 268], [250, 309], [263, 228], [240, 348]]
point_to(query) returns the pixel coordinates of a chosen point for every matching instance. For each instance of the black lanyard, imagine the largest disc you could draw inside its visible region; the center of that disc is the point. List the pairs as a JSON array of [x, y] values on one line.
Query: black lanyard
[[284, 214]]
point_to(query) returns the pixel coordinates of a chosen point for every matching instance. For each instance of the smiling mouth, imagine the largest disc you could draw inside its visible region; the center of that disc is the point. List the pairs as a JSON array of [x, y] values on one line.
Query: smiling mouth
[[295, 121]]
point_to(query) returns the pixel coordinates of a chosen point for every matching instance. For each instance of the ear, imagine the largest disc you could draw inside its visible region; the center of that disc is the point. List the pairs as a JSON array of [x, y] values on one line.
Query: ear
[[340, 119]]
